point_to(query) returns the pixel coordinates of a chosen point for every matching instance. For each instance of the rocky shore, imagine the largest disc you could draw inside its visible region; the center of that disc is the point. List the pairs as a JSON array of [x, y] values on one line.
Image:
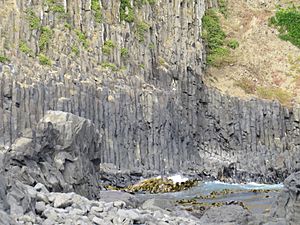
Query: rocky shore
[[52, 176], [34, 205]]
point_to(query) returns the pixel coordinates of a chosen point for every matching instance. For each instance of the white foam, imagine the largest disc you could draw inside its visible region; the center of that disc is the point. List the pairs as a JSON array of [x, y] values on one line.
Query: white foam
[[178, 178], [250, 185]]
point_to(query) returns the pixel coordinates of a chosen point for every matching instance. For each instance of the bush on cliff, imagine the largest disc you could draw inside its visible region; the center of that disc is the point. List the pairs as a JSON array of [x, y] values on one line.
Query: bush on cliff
[[287, 21], [214, 36]]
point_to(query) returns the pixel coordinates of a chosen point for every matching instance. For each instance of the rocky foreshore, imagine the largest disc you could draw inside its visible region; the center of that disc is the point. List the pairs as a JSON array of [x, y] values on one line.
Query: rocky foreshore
[[34, 205], [39, 206], [53, 175]]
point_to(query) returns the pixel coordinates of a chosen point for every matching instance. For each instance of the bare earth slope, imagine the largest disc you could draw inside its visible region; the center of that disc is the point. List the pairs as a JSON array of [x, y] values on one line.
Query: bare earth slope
[[262, 60]]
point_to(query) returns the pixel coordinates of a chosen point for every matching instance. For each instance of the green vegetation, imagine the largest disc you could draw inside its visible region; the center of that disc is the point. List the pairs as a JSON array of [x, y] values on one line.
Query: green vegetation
[[151, 2], [161, 185], [214, 36], [161, 61], [4, 59], [55, 7], [126, 11], [108, 65], [25, 49], [82, 38], [34, 21], [108, 46], [287, 20], [44, 60], [233, 43], [75, 49], [97, 11], [68, 26], [151, 46], [274, 93], [223, 7], [45, 37], [140, 3], [247, 85], [141, 28], [124, 52]]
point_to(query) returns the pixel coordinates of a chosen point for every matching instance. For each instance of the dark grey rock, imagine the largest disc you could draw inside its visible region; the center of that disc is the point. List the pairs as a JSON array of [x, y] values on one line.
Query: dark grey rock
[[287, 206], [233, 214], [158, 204], [112, 196], [5, 219]]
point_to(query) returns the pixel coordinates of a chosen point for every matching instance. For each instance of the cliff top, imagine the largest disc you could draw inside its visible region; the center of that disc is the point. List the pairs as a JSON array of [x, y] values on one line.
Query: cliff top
[[261, 65]]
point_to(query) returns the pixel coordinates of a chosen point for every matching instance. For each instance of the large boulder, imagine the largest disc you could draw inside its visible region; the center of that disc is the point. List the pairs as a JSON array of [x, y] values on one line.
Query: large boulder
[[287, 205], [63, 153], [227, 214]]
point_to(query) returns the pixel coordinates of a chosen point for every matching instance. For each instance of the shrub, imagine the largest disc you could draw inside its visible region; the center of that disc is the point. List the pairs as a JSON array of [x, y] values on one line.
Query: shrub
[[45, 37], [219, 57], [4, 59], [34, 21], [97, 10], [25, 48], [141, 28], [126, 11], [233, 44], [82, 38], [287, 20], [108, 65], [55, 7], [217, 53], [108, 46], [124, 52], [223, 7], [44, 60], [212, 31]]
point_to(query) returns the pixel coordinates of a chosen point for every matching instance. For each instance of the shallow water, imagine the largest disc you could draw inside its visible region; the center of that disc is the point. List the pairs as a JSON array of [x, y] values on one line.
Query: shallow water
[[258, 202], [207, 187]]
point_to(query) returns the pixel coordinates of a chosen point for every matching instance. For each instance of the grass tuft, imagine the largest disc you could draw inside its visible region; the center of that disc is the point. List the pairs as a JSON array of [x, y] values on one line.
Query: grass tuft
[[274, 93], [44, 60], [4, 59], [246, 84], [25, 49]]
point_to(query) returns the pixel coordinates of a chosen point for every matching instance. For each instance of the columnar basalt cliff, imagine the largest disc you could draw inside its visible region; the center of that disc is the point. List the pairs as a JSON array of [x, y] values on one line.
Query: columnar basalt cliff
[[136, 72]]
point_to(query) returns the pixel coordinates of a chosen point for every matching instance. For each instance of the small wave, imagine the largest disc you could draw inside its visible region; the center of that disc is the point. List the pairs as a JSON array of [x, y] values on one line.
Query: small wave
[[246, 186]]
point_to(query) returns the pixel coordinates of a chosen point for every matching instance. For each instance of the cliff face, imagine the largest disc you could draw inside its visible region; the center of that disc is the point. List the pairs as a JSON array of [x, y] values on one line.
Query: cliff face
[[140, 82]]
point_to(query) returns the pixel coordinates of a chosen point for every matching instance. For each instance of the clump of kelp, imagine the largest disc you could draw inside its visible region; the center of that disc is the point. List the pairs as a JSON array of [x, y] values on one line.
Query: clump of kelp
[[158, 185]]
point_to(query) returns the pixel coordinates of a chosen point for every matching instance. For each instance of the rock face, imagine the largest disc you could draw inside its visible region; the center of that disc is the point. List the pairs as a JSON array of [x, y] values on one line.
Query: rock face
[[288, 203], [63, 153], [156, 114], [151, 108]]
